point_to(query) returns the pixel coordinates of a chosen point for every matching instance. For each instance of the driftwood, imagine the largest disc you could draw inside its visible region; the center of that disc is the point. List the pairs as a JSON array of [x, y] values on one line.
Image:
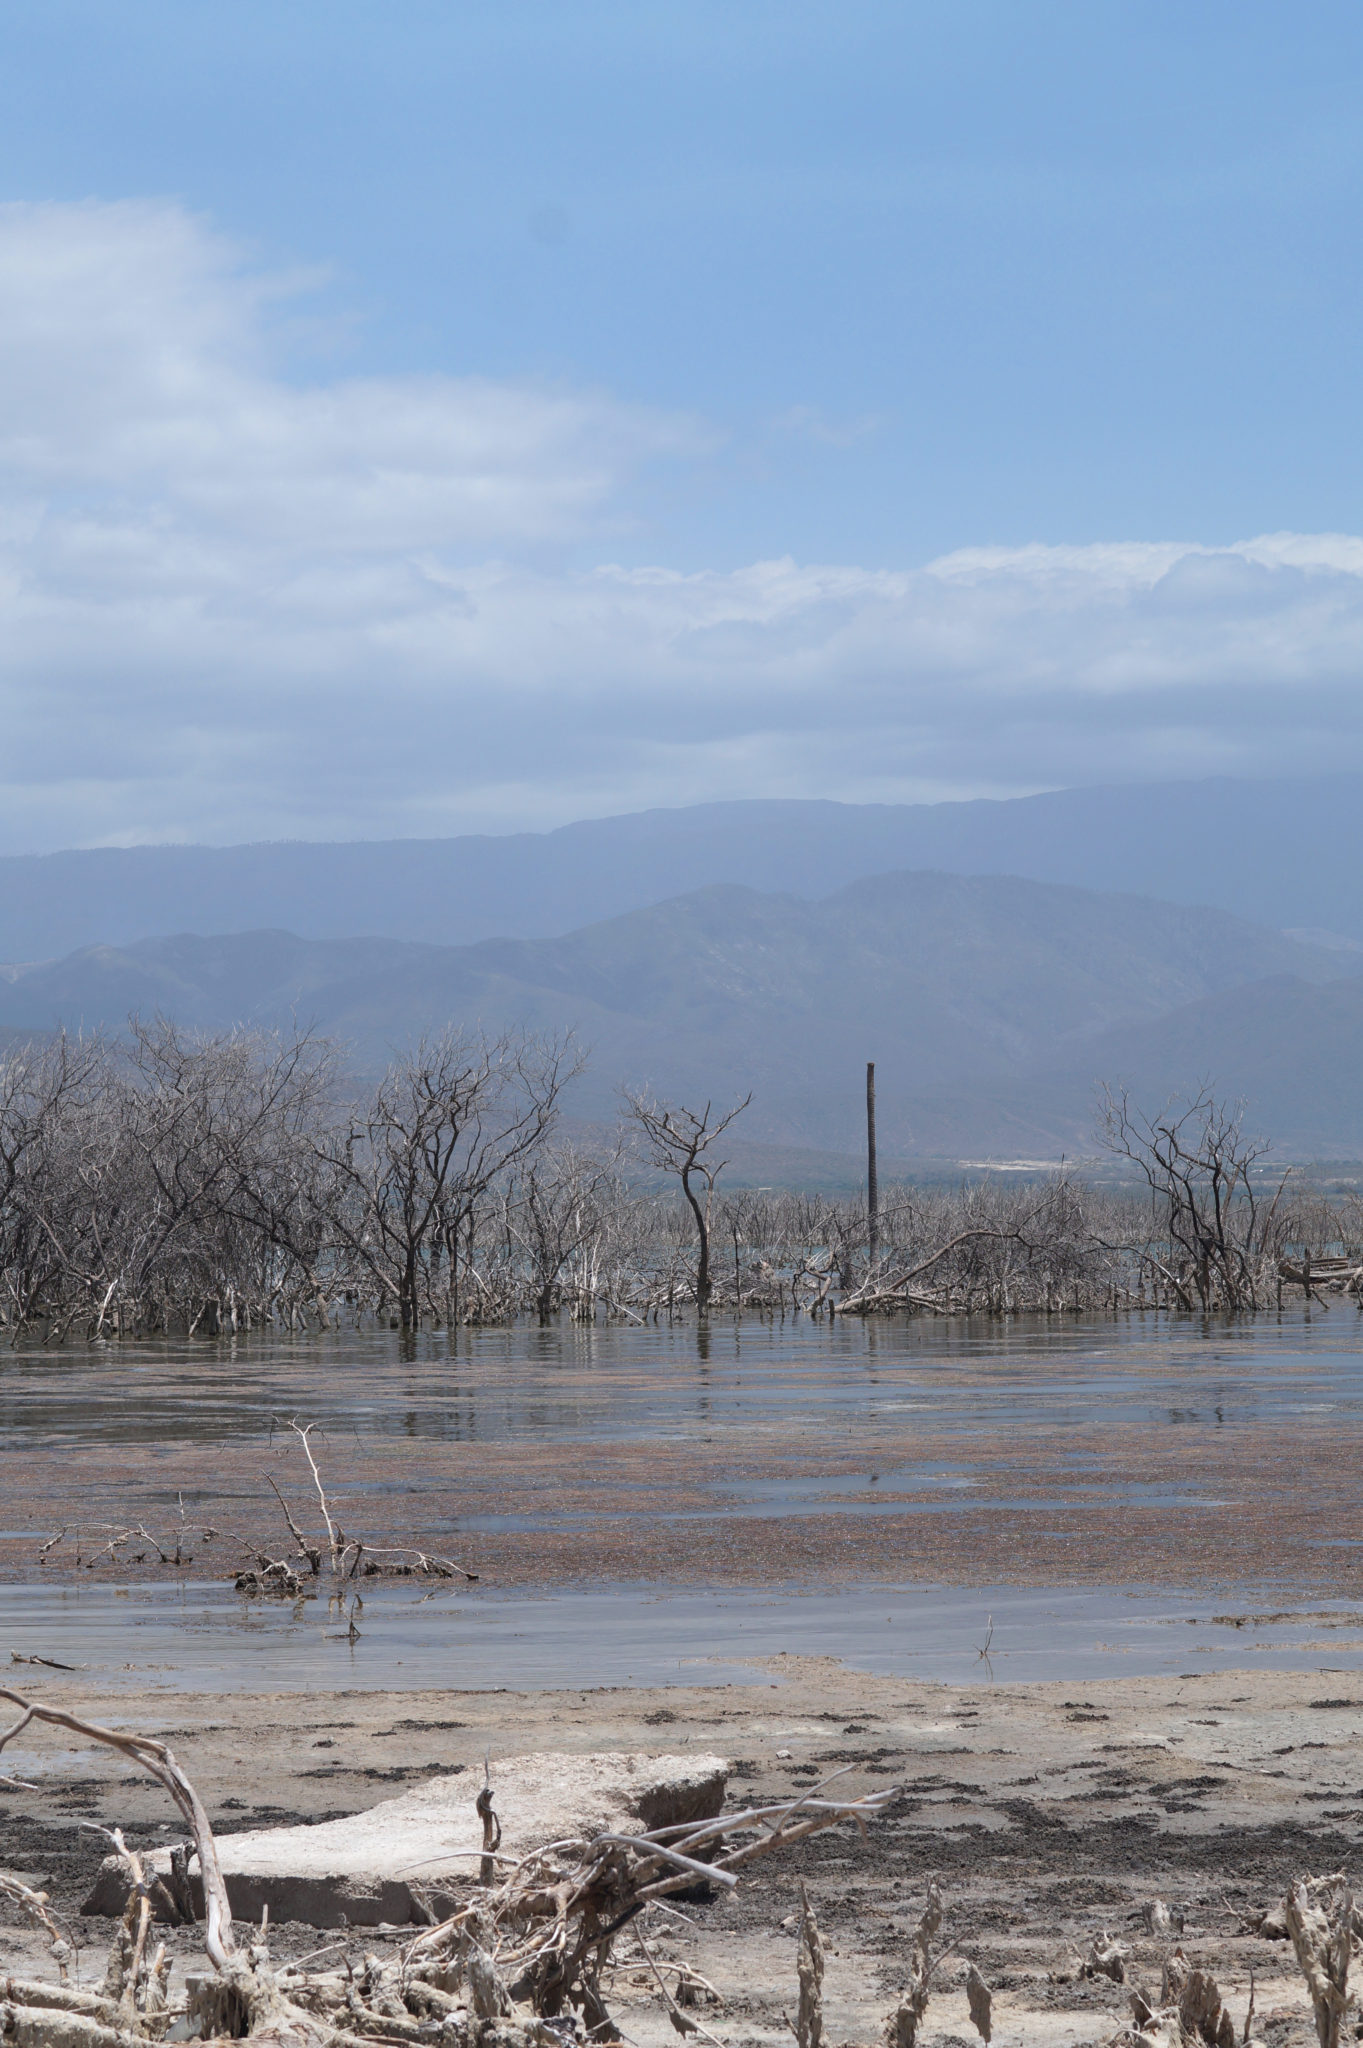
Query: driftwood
[[809, 1971], [518, 1965], [1320, 1915], [256, 1572], [556, 1912], [156, 1758], [1323, 1275]]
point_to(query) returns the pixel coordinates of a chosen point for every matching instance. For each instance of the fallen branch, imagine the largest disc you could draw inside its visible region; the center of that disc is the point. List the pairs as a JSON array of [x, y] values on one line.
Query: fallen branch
[[157, 1759], [523, 1953]]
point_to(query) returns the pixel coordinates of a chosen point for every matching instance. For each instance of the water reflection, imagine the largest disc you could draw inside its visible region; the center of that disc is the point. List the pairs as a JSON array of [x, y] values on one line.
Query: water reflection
[[1034, 1423], [611, 1382]]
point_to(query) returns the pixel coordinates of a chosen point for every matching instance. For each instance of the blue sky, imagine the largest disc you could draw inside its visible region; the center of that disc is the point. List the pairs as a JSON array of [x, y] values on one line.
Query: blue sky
[[595, 394]]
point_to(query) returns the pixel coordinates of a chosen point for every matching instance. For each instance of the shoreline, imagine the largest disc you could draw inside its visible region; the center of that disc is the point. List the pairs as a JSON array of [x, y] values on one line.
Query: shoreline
[[1048, 1814]]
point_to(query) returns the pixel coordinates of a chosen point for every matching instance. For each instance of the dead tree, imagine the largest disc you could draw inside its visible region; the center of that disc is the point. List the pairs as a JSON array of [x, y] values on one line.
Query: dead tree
[[556, 1211], [678, 1141], [446, 1122], [1199, 1167]]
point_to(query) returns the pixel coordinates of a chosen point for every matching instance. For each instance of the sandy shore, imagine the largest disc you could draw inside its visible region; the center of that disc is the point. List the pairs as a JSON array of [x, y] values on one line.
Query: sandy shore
[[1047, 1813]]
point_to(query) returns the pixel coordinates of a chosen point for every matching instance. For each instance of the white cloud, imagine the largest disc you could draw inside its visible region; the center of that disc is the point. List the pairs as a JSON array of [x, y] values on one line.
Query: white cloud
[[236, 605], [135, 366]]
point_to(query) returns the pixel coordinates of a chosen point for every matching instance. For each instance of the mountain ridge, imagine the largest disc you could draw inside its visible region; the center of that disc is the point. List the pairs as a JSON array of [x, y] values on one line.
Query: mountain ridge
[[1287, 852], [991, 1004]]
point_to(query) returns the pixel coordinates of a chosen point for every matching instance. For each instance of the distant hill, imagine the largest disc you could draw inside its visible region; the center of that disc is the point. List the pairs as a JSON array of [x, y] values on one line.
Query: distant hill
[[990, 1004], [1291, 1050], [1282, 853]]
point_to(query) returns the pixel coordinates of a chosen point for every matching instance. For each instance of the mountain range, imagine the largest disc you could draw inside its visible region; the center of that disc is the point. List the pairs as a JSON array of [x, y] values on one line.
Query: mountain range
[[1286, 853], [992, 1004]]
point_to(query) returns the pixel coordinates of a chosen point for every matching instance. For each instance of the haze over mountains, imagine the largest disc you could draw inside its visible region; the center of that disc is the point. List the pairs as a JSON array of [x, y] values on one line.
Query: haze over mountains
[[992, 1005], [1283, 853]]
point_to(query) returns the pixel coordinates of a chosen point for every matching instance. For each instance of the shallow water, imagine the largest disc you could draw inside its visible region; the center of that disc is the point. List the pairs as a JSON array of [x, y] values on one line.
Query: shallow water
[[624, 1446], [567, 1382], [203, 1638]]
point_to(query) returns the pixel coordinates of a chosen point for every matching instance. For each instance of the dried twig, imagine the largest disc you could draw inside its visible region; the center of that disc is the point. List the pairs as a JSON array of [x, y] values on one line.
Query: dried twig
[[36, 1906], [1319, 1913], [682, 2022], [809, 1970], [334, 1538], [156, 1758]]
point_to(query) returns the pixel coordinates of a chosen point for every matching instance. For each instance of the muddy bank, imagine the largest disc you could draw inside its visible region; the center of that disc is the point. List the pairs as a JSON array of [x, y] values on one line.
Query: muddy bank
[[1047, 1813]]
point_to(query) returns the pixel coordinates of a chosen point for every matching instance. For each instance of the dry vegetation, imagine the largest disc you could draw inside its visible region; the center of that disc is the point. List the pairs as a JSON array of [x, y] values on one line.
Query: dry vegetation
[[192, 1184], [536, 1950], [519, 1961]]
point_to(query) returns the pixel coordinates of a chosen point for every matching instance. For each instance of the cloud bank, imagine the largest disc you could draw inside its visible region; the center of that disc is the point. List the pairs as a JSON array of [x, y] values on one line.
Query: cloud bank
[[238, 604]]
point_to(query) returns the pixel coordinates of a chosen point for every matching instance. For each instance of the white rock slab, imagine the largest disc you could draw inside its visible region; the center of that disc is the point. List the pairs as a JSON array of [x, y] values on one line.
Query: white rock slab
[[361, 1870]]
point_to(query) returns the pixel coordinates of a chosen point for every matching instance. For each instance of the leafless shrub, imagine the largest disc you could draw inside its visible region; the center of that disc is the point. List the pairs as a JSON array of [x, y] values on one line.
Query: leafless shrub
[[1222, 1236], [215, 1185]]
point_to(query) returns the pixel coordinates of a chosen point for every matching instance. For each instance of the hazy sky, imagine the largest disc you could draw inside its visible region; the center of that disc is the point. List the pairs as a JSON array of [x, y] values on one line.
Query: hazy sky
[[444, 415]]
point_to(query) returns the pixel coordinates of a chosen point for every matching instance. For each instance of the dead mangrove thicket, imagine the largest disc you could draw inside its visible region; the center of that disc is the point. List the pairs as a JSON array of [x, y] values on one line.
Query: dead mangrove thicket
[[210, 1185], [203, 1184]]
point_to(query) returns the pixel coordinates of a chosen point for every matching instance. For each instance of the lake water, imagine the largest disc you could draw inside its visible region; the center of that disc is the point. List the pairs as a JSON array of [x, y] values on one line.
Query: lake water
[[566, 1382], [660, 1506], [202, 1637]]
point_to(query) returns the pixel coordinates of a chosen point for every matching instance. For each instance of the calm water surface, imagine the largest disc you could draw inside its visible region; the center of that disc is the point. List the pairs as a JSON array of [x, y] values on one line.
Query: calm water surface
[[566, 1383], [840, 1392]]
